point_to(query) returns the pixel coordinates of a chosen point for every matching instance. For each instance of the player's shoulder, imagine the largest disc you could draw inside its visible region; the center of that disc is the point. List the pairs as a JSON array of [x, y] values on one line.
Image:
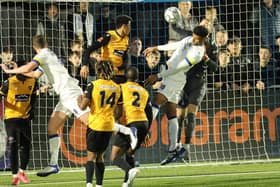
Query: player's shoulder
[[186, 42], [45, 53], [187, 39]]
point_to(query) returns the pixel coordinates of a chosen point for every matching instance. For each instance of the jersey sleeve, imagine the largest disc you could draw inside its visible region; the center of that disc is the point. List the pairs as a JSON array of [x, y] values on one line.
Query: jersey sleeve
[[38, 59], [88, 91], [120, 101], [102, 41], [5, 87], [171, 46]]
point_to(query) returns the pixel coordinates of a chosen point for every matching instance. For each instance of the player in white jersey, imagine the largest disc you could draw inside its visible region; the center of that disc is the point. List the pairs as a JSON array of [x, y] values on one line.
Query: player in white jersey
[[188, 51], [68, 90]]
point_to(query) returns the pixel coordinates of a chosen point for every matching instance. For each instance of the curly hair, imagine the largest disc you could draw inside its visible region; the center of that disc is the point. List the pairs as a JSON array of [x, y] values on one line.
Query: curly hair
[[104, 70]]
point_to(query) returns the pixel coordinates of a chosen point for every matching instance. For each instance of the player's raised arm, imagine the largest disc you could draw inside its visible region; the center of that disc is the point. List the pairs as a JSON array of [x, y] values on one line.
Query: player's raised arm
[[102, 41], [165, 47], [84, 100], [37, 73], [22, 69]]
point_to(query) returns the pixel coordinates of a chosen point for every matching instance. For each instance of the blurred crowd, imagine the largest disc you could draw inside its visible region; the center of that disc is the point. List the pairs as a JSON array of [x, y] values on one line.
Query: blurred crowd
[[245, 61]]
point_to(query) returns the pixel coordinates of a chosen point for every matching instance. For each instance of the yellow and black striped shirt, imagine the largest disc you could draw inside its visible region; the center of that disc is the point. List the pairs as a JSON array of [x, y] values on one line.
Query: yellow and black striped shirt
[[104, 96], [134, 98], [18, 96]]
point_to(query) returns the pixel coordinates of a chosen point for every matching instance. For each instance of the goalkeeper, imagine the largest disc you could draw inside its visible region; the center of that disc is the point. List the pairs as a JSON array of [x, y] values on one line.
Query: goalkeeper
[[189, 51]]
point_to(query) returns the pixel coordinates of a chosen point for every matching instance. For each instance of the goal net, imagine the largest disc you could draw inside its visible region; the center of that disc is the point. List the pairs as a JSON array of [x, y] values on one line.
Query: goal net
[[239, 116]]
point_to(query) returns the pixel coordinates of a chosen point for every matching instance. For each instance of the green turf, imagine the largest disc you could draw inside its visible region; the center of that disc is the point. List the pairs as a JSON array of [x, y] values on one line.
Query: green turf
[[174, 175]]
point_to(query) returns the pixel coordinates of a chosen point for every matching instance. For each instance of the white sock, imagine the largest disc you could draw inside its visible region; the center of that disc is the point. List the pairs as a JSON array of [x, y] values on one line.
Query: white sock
[[20, 170], [173, 133], [14, 176], [179, 145], [122, 129], [54, 149], [187, 147], [98, 185], [155, 111]]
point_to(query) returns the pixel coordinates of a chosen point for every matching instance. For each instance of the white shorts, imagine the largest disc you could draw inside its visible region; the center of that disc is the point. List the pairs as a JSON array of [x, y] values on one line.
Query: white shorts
[[68, 101], [171, 90]]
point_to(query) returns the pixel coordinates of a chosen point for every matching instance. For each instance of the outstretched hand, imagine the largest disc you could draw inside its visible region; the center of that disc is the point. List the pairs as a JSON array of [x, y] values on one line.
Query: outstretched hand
[[149, 50], [151, 80]]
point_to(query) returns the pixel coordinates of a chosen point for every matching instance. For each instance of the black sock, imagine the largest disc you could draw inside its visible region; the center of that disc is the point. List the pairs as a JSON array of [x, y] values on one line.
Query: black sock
[[190, 127], [89, 171], [121, 163], [180, 125], [99, 172], [130, 160], [13, 154]]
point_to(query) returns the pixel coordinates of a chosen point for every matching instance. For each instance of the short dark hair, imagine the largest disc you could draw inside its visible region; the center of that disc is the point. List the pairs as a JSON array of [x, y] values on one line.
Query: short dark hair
[[7, 50], [223, 50], [134, 38], [266, 47], [51, 5], [200, 31], [76, 41], [72, 53], [234, 39], [132, 73], [123, 20], [39, 41]]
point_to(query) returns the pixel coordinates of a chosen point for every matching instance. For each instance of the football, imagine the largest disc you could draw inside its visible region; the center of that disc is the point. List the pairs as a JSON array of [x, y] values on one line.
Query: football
[[172, 14]]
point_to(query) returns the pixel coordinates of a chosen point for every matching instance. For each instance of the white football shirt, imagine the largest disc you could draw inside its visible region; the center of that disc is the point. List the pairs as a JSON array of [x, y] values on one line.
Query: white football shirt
[[56, 73]]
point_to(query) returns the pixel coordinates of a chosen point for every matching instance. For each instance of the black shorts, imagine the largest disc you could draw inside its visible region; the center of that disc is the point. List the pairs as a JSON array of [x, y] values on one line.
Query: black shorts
[[193, 92], [97, 141], [19, 130], [121, 140]]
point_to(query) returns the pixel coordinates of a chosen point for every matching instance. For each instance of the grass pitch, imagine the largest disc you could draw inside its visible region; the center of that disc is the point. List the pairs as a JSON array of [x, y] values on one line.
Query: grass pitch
[[173, 175]]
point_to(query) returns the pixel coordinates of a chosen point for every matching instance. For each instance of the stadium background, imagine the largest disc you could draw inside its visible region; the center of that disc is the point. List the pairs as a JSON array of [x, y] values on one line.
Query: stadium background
[[229, 127]]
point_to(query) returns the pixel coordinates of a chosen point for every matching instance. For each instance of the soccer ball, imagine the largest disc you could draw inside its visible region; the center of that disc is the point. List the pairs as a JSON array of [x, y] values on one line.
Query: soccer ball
[[172, 14]]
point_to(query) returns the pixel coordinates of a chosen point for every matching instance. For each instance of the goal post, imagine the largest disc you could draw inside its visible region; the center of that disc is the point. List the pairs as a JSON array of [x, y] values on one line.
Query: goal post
[[232, 125]]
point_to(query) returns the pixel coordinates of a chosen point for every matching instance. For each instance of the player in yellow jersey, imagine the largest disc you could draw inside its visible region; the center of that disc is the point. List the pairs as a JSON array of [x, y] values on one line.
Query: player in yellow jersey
[[114, 46], [134, 101], [102, 96], [19, 92]]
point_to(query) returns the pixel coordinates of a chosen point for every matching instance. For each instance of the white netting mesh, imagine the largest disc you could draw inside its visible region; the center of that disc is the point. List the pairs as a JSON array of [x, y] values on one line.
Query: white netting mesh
[[231, 125]]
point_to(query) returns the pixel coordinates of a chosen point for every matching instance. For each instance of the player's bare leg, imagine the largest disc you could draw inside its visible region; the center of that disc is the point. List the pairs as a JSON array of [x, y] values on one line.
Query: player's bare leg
[[56, 121], [158, 100], [116, 158]]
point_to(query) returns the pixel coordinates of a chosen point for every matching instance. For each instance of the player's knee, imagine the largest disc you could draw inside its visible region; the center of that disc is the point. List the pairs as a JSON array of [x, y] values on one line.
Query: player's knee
[[99, 157], [192, 108], [91, 156]]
